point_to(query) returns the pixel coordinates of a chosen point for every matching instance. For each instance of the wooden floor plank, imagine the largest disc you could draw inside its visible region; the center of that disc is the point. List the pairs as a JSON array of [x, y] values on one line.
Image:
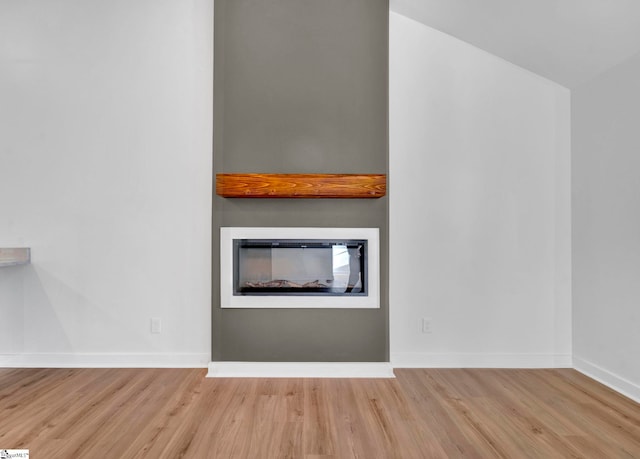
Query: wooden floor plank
[[424, 413], [318, 427], [442, 409]]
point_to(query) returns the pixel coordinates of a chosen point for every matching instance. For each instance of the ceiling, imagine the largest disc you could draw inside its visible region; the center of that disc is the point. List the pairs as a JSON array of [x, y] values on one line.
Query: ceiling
[[567, 41]]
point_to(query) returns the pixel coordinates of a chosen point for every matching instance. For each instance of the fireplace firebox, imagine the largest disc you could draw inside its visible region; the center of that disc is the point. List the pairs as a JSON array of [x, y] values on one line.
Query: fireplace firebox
[[299, 268]]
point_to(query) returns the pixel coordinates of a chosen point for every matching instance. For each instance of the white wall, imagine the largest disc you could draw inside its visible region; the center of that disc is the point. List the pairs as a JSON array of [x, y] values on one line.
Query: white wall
[[11, 307], [606, 229], [479, 207], [105, 172]]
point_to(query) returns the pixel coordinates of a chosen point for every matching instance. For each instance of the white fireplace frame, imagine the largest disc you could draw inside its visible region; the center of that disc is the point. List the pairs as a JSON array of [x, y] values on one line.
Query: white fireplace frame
[[229, 300]]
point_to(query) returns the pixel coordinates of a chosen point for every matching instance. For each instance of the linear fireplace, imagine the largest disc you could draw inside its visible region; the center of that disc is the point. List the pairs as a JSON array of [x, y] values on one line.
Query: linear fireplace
[[299, 267]]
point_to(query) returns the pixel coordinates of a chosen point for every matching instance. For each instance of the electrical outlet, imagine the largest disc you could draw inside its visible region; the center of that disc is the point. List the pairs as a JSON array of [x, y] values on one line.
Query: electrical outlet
[[426, 325], [156, 325]]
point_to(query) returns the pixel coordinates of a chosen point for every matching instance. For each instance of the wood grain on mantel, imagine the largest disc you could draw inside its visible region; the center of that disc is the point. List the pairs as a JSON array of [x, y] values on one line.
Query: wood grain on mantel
[[341, 186]]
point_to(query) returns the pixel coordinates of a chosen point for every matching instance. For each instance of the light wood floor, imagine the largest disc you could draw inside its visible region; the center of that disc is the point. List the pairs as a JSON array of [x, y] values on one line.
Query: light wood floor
[[161, 413]]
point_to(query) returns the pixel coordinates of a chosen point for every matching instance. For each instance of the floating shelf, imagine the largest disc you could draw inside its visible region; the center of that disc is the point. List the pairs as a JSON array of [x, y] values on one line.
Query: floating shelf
[[338, 186], [14, 256]]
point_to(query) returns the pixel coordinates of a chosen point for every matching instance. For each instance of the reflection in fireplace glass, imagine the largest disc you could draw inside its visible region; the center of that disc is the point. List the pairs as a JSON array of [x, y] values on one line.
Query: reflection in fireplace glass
[[300, 267]]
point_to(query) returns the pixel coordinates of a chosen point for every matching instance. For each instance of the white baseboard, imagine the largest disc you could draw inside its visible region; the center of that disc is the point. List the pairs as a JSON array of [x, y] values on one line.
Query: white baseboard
[[469, 360], [609, 379], [104, 360], [300, 370], [324, 369]]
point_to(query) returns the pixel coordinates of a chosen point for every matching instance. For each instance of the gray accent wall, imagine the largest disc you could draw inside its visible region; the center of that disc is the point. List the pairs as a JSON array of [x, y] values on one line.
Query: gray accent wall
[[300, 86]]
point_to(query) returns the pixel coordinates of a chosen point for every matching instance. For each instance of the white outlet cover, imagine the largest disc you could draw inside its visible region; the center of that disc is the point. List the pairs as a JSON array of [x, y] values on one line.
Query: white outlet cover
[[156, 325]]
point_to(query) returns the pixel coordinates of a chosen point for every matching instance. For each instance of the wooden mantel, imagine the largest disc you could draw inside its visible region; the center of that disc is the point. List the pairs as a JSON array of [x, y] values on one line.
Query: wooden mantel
[[341, 186]]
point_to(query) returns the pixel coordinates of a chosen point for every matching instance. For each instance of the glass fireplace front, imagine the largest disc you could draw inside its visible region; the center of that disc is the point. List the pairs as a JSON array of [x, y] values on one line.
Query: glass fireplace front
[[300, 267]]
